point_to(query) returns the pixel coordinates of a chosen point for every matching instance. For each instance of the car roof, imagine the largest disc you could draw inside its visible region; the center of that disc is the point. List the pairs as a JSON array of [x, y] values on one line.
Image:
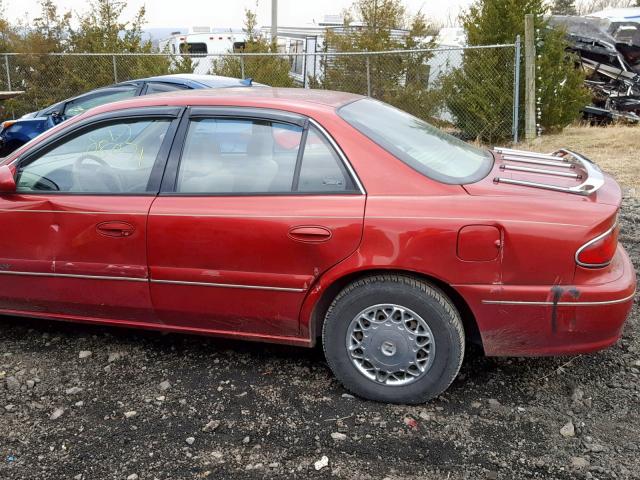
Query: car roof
[[289, 99], [189, 78]]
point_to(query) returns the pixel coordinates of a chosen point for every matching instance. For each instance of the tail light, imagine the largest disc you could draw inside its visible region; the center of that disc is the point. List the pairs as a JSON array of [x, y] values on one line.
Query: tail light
[[599, 251]]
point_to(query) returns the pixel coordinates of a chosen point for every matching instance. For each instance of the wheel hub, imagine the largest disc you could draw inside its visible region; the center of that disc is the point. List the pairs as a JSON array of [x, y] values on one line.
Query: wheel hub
[[388, 348], [390, 344]]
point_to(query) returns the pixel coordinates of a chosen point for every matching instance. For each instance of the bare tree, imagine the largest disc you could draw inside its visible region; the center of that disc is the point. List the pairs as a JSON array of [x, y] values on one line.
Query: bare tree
[[589, 6]]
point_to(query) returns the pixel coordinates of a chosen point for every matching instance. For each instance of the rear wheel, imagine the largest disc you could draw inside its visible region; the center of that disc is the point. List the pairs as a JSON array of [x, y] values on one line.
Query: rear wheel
[[393, 338]]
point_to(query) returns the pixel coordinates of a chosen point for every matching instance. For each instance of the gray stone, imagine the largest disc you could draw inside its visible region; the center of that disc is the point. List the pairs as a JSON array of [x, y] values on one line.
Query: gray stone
[[211, 426], [579, 463], [114, 357], [322, 463], [12, 383], [57, 413], [568, 430]]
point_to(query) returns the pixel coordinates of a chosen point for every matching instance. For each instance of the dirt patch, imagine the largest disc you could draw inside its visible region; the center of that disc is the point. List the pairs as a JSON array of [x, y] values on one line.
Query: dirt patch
[[146, 405], [615, 148]]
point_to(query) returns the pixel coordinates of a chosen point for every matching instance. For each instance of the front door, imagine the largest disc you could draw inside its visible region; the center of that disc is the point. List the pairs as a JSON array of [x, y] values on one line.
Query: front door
[[74, 234], [253, 210]]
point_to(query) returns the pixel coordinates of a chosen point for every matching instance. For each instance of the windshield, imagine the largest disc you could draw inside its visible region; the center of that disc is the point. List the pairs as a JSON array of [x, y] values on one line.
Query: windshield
[[422, 146]]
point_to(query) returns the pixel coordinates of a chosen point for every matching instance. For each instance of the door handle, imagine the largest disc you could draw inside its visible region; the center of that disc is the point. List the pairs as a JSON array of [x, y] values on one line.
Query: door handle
[[115, 229], [310, 234]]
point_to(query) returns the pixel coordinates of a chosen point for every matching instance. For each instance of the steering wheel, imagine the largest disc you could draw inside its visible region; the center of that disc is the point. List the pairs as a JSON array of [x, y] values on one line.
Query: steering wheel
[[81, 171]]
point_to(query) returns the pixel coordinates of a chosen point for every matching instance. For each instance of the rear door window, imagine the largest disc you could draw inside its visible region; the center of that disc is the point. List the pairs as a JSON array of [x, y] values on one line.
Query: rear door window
[[95, 99], [159, 87], [234, 156]]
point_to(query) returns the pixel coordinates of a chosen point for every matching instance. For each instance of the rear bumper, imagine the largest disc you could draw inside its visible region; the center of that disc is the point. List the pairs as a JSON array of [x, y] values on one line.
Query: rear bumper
[[555, 320]]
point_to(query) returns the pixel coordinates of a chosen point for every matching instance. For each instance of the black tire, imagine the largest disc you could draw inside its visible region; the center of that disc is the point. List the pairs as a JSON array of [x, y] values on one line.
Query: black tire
[[424, 299]]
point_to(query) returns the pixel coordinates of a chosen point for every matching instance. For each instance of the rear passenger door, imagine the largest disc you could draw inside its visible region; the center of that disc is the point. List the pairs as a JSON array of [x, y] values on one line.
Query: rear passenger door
[[255, 205]]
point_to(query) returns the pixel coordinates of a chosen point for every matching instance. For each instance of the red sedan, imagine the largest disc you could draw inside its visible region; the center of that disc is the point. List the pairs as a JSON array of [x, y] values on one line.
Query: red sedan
[[294, 215]]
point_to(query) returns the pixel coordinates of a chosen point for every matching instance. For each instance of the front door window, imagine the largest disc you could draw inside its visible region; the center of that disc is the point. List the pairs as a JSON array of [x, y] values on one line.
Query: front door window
[[115, 158]]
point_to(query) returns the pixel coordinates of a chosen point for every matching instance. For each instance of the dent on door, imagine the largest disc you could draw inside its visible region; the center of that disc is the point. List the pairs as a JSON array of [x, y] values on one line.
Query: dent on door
[[68, 255], [245, 264]]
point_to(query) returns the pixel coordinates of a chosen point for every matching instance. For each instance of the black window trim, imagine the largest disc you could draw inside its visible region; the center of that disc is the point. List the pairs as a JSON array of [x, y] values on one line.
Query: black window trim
[[170, 177], [140, 113]]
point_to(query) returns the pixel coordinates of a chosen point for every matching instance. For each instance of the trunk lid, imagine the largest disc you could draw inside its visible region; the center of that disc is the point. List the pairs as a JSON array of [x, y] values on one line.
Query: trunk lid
[[563, 175]]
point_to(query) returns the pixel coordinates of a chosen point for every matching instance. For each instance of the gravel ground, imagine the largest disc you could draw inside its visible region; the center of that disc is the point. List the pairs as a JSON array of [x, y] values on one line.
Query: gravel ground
[[83, 402]]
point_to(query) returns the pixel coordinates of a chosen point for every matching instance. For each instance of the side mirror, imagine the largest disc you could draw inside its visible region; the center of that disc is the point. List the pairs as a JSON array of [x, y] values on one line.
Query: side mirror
[[57, 116], [7, 179]]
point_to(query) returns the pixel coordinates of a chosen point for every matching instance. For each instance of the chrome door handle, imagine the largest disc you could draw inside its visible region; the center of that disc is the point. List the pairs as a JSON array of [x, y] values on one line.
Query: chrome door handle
[[310, 234], [115, 229]]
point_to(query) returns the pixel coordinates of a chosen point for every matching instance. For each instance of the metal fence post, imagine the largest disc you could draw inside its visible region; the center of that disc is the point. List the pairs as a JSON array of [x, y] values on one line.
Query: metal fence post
[[516, 90], [115, 69], [6, 66], [368, 76], [242, 66], [530, 78]]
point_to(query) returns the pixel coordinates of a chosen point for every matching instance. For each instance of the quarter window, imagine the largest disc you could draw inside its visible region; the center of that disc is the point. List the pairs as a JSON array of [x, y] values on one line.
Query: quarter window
[[114, 158], [322, 170]]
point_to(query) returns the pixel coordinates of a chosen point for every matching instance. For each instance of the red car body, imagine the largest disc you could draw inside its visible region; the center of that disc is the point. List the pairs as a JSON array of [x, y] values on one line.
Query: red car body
[[266, 267]]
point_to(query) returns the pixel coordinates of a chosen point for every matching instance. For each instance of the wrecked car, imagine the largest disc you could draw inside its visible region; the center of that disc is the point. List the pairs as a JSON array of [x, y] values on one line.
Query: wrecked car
[[608, 49], [304, 216]]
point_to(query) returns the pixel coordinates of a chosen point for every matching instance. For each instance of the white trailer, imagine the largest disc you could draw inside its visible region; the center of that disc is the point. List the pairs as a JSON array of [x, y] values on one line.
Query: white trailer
[[204, 42]]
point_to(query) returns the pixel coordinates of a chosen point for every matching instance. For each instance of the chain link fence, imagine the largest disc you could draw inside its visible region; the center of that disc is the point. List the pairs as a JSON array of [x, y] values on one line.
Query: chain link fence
[[472, 92]]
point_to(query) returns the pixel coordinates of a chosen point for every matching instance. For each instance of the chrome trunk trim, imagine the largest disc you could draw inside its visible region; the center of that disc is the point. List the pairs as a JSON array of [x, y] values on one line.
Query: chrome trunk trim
[[561, 158], [541, 171], [546, 163], [524, 153]]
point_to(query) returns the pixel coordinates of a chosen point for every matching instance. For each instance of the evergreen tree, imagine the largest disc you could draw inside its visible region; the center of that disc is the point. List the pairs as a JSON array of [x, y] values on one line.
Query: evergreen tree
[[560, 83], [483, 108], [38, 71], [564, 7], [268, 69], [103, 30], [399, 79], [47, 79]]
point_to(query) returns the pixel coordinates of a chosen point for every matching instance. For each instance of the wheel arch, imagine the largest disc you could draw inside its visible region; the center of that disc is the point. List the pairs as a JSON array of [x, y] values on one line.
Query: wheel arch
[[321, 306]]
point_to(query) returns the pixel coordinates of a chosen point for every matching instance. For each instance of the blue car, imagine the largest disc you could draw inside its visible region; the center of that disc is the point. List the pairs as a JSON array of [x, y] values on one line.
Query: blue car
[[15, 133]]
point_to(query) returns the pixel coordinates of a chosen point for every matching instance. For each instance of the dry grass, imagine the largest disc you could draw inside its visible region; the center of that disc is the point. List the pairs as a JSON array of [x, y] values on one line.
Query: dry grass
[[616, 149]]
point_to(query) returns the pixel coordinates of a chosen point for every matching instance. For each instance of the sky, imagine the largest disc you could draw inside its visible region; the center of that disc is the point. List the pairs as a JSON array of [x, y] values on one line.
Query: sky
[[230, 13]]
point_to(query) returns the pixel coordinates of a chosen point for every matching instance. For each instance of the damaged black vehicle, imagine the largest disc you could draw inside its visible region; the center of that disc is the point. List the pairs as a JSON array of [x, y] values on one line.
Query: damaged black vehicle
[[609, 52]]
